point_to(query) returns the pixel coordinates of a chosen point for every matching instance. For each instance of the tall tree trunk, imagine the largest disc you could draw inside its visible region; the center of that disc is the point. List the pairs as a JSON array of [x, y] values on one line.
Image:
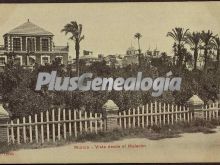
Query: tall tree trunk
[[217, 58], [195, 58], [139, 53], [206, 58], [77, 47], [180, 57], [139, 49]]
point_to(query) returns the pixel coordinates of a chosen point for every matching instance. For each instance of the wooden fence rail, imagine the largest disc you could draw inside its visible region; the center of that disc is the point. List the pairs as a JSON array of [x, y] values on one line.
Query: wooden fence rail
[[154, 114], [52, 126], [211, 111], [162, 113]]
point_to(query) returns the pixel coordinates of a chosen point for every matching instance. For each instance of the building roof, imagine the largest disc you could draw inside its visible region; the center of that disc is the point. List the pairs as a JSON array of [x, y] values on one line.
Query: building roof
[[195, 100], [3, 112], [110, 105], [28, 28]]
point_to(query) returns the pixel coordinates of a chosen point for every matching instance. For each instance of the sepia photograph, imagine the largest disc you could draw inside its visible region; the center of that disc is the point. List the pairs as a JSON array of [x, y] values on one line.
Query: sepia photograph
[[128, 82]]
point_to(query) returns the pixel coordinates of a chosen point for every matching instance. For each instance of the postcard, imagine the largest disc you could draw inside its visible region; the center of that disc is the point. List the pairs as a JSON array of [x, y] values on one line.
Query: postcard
[[131, 82]]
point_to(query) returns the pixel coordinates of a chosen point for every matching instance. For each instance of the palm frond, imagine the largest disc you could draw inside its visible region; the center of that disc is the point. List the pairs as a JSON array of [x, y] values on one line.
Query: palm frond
[[178, 34], [81, 38], [137, 35], [193, 40], [74, 29]]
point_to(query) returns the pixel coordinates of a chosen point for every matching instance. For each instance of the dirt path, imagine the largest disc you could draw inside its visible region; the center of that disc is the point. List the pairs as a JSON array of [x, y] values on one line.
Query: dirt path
[[193, 147]]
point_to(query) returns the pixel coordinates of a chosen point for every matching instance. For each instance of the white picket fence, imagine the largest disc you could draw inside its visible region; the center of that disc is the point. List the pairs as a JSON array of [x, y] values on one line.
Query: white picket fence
[[162, 114], [211, 111], [154, 114], [52, 126]]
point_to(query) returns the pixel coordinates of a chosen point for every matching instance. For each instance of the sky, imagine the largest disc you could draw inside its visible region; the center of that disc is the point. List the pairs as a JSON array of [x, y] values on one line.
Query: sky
[[109, 28]]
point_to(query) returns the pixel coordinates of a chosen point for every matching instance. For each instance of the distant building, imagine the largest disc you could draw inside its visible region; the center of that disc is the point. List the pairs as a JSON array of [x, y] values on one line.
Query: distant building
[[110, 60], [152, 53], [88, 58], [31, 44], [129, 60], [113, 60], [131, 57], [131, 51]]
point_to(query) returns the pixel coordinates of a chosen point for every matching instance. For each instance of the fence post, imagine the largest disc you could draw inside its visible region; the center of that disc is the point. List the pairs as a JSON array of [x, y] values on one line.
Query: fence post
[[196, 107], [110, 110], [4, 118]]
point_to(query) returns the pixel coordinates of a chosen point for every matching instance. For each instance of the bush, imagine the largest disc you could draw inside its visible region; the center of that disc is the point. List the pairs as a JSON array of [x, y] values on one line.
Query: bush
[[18, 87], [23, 101]]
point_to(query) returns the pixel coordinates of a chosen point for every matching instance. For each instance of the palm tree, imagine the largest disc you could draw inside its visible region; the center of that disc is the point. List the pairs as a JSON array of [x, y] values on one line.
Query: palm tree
[[216, 45], [194, 41], [138, 36], [75, 30], [207, 39], [179, 35], [187, 58]]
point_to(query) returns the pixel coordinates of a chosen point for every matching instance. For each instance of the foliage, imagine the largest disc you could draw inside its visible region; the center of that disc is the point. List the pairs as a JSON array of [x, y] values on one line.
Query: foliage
[[207, 38], [24, 101], [180, 36], [18, 84], [194, 40]]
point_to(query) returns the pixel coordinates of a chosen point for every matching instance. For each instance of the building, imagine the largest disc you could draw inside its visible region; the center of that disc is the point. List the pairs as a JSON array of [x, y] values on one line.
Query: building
[[152, 53], [130, 60], [131, 51], [131, 57], [31, 44], [114, 60], [88, 58]]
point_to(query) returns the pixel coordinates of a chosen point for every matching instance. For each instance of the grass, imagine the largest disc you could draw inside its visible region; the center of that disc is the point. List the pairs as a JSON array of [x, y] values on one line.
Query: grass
[[154, 133]]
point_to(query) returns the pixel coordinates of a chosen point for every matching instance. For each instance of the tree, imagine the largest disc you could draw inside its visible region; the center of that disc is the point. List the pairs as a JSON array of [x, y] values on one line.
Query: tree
[[138, 36], [164, 57], [75, 30], [207, 39], [194, 41], [216, 45], [179, 35], [187, 57], [23, 102]]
